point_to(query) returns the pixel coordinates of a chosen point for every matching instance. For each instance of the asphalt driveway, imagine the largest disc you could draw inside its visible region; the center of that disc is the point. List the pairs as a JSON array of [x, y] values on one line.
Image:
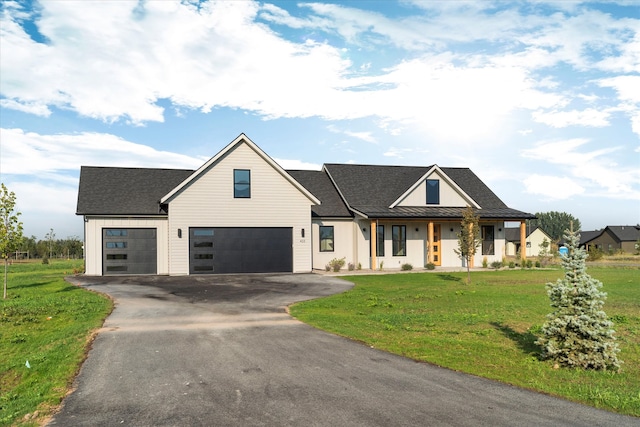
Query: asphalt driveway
[[222, 351]]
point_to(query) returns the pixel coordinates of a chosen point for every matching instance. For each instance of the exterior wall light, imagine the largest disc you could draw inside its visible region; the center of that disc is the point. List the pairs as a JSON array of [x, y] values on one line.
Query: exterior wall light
[[179, 233]]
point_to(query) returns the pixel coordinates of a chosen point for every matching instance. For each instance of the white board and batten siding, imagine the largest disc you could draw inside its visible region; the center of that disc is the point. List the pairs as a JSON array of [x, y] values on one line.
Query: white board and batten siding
[[93, 249], [208, 201]]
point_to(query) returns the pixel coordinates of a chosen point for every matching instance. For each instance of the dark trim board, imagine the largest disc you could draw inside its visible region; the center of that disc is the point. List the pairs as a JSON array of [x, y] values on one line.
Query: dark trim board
[[223, 250]]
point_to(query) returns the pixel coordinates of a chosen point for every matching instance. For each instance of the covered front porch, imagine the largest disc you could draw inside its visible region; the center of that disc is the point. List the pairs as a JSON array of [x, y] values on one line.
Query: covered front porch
[[420, 242]]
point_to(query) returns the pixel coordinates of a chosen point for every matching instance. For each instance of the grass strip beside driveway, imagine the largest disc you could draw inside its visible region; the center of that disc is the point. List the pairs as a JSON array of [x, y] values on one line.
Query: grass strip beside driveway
[[487, 329], [45, 329]]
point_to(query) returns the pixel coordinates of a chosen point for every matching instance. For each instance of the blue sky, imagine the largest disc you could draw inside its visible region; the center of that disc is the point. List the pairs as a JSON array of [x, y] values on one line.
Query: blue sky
[[540, 99]]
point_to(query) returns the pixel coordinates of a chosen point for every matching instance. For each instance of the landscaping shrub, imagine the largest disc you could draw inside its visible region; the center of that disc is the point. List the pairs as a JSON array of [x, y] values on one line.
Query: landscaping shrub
[[496, 264], [485, 263], [336, 264], [406, 267], [430, 266]]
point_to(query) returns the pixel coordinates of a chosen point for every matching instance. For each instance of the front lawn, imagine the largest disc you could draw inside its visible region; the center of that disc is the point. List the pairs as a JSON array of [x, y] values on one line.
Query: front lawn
[[488, 328], [45, 327]]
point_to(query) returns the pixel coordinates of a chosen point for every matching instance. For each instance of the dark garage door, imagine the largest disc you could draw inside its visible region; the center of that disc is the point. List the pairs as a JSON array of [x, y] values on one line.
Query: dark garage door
[[240, 250], [129, 251]]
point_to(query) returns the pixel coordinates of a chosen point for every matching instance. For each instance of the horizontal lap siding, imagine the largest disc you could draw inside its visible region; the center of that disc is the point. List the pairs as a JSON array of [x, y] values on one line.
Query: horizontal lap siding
[[208, 202]]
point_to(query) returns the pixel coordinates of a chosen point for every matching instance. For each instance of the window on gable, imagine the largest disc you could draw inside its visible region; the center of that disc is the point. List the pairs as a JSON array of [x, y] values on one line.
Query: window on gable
[[433, 192], [241, 183], [326, 238], [399, 239]]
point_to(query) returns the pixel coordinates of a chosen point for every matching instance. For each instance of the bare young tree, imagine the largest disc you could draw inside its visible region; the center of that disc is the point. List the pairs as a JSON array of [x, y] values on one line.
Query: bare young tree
[[468, 238], [10, 229]]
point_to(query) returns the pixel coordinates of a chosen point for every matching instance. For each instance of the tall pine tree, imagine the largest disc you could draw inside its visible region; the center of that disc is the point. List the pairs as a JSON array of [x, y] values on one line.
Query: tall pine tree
[[578, 333]]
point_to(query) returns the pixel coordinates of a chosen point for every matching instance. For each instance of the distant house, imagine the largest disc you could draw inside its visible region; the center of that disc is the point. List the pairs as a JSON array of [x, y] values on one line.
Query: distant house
[[533, 240], [240, 212], [612, 238]]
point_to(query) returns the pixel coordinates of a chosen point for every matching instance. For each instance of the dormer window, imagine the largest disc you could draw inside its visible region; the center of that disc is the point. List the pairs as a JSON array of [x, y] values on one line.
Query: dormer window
[[241, 183], [433, 192]]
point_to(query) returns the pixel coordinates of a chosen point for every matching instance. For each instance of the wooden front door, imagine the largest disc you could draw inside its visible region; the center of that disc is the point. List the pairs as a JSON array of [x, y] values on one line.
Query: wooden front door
[[437, 260]]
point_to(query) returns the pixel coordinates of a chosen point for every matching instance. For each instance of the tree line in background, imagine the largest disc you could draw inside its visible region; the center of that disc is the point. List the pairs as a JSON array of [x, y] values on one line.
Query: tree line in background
[[555, 223], [49, 247]]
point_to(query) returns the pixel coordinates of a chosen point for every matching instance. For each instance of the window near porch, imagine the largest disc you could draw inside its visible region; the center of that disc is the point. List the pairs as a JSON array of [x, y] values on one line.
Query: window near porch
[[488, 241], [399, 238], [379, 241], [326, 238], [241, 183], [433, 192]]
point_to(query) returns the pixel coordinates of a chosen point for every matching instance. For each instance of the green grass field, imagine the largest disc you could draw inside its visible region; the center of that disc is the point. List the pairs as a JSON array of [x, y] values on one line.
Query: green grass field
[[488, 328], [47, 322]]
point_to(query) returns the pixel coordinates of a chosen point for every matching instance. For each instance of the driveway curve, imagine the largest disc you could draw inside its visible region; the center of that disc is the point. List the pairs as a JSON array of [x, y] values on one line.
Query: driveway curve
[[222, 351]]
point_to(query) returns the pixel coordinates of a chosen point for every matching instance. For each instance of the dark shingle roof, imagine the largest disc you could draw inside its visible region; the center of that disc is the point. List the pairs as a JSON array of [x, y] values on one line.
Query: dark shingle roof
[[474, 187], [587, 236], [625, 233], [371, 185], [125, 191], [319, 184], [368, 189], [371, 189]]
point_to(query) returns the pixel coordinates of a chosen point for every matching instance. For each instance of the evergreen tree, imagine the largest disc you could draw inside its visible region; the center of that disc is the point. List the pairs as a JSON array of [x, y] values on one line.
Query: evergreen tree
[[578, 333]]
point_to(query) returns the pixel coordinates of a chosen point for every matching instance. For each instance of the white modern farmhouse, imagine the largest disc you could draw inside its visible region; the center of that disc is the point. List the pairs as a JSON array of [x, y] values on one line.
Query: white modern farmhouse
[[241, 212]]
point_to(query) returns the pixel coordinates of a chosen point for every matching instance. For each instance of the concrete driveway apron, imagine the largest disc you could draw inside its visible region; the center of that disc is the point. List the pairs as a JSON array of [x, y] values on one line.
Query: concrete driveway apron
[[222, 351]]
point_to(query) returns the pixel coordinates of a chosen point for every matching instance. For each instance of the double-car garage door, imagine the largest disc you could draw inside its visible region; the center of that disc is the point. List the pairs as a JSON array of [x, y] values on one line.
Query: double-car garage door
[[211, 250], [220, 250]]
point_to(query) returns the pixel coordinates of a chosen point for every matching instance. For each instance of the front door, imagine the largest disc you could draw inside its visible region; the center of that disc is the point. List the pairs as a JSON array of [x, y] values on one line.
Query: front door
[[436, 245], [436, 249]]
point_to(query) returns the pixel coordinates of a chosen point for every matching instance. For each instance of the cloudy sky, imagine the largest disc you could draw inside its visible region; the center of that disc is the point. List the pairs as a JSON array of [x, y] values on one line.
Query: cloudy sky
[[540, 99]]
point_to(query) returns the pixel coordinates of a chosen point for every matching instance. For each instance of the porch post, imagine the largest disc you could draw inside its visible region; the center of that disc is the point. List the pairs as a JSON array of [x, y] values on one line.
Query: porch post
[[374, 244], [523, 241], [430, 242]]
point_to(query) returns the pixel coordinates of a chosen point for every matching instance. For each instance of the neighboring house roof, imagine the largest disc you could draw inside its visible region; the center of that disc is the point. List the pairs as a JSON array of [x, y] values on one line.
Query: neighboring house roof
[[125, 191], [319, 184], [587, 236], [512, 234], [625, 233]]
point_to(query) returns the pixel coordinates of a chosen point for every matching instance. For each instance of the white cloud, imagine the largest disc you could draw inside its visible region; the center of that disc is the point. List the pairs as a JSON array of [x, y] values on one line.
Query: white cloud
[[596, 169], [35, 108], [552, 187], [30, 153], [294, 164], [590, 117]]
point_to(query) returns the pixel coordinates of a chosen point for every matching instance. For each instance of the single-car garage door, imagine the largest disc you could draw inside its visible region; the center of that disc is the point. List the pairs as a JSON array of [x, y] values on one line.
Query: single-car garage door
[[240, 250], [129, 251]]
